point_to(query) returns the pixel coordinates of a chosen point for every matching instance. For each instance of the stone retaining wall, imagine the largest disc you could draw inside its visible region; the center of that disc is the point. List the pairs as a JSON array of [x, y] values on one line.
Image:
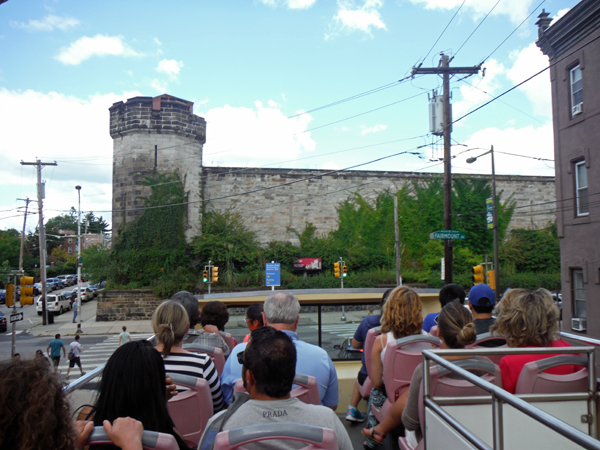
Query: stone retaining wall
[[136, 304]]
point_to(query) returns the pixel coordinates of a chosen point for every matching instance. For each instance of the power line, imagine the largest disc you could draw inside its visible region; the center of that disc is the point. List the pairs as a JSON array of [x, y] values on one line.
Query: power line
[[442, 33], [476, 28]]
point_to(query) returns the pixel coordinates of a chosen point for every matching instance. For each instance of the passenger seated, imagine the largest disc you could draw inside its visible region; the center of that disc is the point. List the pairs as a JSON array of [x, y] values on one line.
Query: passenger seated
[[456, 331], [35, 412], [253, 318], [268, 370], [171, 323], [527, 319], [401, 317], [133, 385], [358, 341], [213, 317], [448, 293], [482, 299]]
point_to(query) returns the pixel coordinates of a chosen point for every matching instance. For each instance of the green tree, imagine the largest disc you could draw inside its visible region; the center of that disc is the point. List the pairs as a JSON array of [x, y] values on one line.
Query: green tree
[[96, 225], [10, 247]]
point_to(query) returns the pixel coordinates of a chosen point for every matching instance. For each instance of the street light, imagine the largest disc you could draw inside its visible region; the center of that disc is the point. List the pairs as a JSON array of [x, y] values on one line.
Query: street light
[[495, 218], [79, 259]]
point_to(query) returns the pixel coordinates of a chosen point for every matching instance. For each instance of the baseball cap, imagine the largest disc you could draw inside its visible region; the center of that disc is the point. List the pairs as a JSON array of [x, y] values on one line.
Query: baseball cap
[[482, 295]]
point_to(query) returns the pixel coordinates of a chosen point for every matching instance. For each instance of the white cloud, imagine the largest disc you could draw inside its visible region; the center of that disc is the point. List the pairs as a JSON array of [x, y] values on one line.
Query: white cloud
[[373, 129], [529, 61], [157, 41], [527, 141], [170, 67], [99, 45], [275, 137], [291, 4], [559, 14], [516, 10], [351, 17], [74, 133], [161, 88], [48, 23], [474, 96]]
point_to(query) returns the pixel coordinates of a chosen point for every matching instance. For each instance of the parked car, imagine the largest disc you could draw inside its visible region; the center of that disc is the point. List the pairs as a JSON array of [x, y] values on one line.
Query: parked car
[[64, 280], [2, 322], [55, 303], [2, 296], [37, 288], [72, 279], [95, 288], [87, 294], [51, 285]]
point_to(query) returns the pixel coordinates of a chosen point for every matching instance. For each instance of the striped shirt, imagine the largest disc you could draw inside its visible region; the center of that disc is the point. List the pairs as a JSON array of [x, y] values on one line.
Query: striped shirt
[[197, 365]]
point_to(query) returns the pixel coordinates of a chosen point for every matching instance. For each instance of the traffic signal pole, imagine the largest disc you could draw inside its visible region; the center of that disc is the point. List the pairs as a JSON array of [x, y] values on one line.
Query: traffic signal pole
[[445, 70]]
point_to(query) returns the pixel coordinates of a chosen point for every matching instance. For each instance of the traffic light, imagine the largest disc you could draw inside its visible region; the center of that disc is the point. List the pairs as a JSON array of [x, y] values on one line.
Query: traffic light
[[478, 276], [26, 291], [205, 276], [345, 271], [491, 274], [336, 269], [10, 294], [215, 274]]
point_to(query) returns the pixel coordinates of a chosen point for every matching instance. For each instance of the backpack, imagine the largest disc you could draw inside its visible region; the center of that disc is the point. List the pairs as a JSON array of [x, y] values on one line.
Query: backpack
[[71, 355], [207, 441]]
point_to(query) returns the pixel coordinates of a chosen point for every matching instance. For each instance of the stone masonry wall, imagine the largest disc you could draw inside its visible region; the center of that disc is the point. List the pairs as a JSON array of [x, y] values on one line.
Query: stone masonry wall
[[126, 305], [155, 135], [274, 213]]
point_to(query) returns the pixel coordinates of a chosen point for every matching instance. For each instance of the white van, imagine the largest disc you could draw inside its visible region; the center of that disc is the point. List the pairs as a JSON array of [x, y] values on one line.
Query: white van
[[55, 303]]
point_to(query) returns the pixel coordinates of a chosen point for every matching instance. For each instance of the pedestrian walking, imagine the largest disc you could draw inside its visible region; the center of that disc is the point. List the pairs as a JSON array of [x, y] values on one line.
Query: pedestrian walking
[[124, 337], [76, 349], [75, 310], [53, 350]]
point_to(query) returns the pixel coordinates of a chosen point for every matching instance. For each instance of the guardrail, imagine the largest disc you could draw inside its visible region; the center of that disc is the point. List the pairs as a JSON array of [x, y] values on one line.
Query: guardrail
[[499, 395]]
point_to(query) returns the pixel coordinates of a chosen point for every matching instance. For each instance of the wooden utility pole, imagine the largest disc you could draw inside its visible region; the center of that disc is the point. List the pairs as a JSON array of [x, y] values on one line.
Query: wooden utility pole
[[40, 192], [445, 70]]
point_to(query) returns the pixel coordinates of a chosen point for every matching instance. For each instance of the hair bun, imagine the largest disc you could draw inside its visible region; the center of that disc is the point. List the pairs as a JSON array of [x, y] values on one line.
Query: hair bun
[[467, 335]]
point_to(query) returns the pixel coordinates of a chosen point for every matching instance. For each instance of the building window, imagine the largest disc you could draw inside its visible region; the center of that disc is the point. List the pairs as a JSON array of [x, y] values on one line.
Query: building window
[[576, 91], [581, 189], [70, 249], [69, 240], [578, 295]]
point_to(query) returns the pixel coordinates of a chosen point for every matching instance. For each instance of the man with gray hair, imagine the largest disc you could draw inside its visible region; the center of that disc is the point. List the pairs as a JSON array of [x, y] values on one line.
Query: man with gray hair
[[281, 311]]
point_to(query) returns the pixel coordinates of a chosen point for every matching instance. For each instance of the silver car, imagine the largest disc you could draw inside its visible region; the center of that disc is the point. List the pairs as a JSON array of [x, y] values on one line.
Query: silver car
[[55, 303]]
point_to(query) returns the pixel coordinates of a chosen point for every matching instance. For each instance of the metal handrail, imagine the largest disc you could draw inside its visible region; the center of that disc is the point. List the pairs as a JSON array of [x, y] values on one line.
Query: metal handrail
[[85, 379], [499, 395], [578, 337]]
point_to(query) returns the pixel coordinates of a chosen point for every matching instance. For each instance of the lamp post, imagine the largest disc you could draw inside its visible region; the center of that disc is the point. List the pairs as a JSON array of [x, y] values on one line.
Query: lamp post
[[78, 260], [495, 219]]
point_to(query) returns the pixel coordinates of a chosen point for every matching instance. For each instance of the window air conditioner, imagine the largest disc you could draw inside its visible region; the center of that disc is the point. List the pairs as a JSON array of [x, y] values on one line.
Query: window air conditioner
[[578, 324], [577, 109]]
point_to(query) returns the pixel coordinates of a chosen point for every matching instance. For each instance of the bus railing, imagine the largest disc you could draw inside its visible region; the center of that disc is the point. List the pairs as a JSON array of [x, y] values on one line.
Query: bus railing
[[500, 396]]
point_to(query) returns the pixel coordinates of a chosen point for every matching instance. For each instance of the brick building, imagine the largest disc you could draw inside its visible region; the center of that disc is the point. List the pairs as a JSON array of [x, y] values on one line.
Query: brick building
[[572, 45]]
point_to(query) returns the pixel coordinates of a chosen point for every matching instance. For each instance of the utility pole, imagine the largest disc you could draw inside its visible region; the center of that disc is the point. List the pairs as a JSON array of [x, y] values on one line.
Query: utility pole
[[79, 305], [40, 192], [445, 70]]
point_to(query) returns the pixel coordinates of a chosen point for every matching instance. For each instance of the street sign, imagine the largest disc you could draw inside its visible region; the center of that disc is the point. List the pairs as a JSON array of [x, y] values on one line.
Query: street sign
[[16, 317], [273, 274], [489, 206], [447, 234]]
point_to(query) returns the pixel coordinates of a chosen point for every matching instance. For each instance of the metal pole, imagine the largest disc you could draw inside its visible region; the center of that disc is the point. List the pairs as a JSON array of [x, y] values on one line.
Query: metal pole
[[495, 208], [209, 276], [342, 263], [79, 259], [498, 426], [13, 347], [447, 172], [397, 232]]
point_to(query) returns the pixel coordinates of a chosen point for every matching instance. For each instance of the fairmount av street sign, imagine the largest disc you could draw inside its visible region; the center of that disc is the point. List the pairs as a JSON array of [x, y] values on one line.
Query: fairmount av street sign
[[447, 234]]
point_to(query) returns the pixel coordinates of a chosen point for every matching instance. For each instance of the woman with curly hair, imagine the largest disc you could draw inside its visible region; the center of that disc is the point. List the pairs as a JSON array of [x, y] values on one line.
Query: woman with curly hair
[[401, 317], [213, 317], [35, 412], [527, 319]]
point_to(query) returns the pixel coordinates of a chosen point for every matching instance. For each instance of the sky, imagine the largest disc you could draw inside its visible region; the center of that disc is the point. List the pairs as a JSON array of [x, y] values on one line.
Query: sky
[[311, 84]]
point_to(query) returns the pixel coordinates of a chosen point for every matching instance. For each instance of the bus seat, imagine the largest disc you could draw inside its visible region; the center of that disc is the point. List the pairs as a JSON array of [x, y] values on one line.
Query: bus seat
[[191, 409], [228, 338], [365, 389], [487, 340], [215, 353], [402, 356], [316, 437], [307, 390], [151, 440], [533, 380]]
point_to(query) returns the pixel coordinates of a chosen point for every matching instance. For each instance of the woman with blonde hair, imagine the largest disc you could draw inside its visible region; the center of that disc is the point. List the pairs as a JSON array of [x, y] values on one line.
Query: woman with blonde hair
[[401, 317], [171, 324], [527, 319]]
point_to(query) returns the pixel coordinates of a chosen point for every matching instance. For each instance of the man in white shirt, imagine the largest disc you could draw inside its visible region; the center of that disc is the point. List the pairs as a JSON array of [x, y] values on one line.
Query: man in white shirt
[[76, 349]]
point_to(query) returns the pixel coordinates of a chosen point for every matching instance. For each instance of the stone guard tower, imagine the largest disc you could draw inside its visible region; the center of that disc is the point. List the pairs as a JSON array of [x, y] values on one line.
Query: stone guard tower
[[155, 135]]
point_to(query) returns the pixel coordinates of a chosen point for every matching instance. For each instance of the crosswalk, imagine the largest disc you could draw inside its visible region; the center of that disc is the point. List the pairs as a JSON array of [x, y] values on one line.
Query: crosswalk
[[342, 329], [95, 355]]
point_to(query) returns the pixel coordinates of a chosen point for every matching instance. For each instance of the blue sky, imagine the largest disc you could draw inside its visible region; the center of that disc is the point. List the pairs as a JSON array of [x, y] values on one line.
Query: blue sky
[[251, 67]]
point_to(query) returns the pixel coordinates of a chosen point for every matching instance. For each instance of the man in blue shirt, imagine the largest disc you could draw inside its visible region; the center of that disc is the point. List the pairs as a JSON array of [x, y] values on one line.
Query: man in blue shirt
[[281, 311], [448, 294], [53, 351]]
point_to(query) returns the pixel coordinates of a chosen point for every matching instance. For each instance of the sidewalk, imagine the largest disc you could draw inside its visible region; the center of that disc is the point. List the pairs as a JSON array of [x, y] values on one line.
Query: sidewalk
[[90, 327]]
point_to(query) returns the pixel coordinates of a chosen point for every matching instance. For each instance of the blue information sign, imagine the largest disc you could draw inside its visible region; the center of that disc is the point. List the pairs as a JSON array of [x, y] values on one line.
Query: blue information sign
[[273, 274]]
